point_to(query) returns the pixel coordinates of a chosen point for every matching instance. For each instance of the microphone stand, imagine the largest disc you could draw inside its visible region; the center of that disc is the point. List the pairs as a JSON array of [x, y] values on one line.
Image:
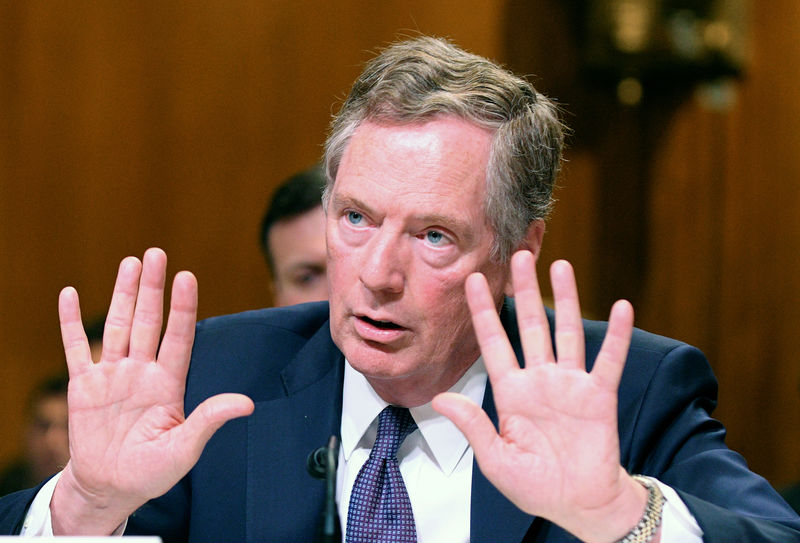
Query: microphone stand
[[322, 465]]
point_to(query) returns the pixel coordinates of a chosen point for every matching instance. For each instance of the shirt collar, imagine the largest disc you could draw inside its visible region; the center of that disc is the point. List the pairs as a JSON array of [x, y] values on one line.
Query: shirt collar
[[361, 406]]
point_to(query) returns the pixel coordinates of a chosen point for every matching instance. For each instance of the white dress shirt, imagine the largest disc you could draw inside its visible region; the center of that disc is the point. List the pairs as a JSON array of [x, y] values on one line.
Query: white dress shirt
[[435, 460]]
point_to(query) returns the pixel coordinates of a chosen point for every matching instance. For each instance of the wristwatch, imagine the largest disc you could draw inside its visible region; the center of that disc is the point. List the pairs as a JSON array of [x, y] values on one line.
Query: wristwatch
[[647, 527]]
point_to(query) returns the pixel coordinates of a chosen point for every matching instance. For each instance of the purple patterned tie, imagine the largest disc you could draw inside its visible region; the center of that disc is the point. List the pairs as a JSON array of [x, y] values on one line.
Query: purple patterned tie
[[380, 511]]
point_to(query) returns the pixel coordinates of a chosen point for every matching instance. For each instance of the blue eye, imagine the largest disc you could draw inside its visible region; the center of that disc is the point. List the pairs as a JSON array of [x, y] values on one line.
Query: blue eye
[[354, 217], [434, 237]]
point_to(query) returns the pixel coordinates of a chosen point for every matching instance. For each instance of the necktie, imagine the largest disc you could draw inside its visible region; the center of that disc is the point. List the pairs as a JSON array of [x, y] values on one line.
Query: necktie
[[380, 511]]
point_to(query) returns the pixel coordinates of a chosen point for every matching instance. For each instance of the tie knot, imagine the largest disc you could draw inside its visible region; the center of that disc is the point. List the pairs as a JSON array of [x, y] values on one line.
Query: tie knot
[[394, 425]]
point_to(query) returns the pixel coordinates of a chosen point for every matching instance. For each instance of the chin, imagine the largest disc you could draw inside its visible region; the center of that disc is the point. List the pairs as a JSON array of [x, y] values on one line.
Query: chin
[[378, 363]]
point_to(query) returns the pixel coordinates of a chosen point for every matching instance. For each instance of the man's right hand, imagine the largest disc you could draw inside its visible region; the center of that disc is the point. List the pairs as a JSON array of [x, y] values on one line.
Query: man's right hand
[[129, 440]]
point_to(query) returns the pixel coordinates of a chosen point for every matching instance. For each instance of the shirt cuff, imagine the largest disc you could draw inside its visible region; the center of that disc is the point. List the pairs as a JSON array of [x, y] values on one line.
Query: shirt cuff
[[37, 520], [678, 525]]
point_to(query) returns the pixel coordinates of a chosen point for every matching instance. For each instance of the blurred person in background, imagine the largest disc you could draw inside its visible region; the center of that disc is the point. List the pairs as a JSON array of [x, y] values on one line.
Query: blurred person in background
[[46, 441], [46, 437], [292, 239]]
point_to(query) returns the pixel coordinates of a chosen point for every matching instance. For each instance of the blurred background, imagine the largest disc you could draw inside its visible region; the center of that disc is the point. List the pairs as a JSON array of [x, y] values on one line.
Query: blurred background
[[125, 125]]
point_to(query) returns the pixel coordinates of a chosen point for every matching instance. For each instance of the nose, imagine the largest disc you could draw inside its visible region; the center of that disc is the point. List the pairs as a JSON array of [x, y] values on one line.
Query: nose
[[383, 269]]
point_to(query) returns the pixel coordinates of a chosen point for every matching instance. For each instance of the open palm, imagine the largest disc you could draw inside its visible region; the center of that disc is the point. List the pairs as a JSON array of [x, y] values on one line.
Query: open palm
[[556, 452], [129, 440]]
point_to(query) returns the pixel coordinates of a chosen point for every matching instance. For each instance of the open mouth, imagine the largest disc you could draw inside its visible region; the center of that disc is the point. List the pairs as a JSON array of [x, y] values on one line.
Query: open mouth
[[383, 325]]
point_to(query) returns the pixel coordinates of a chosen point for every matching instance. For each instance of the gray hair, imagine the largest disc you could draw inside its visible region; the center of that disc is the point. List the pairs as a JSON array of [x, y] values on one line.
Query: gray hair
[[420, 79]]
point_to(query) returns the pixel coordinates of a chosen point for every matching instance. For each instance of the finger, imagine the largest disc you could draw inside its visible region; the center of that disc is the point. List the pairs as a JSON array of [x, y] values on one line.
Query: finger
[[470, 419], [176, 349], [534, 330], [610, 361], [498, 356], [147, 317], [73, 336], [209, 416], [117, 331], [569, 325]]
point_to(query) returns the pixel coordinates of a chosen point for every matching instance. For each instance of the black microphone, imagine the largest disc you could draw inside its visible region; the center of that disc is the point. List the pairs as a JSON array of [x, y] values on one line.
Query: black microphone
[[316, 462], [321, 464]]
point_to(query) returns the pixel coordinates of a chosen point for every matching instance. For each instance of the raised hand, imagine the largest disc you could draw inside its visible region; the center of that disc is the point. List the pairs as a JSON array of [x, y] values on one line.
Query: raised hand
[[557, 451], [129, 440]]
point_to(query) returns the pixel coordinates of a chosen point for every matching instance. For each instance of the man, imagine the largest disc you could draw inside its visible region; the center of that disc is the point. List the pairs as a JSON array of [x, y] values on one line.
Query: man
[[46, 442], [440, 167], [46, 447], [292, 238]]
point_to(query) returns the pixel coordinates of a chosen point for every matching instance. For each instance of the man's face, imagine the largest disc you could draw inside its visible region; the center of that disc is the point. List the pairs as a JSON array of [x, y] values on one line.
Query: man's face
[[48, 436], [405, 227], [298, 253]]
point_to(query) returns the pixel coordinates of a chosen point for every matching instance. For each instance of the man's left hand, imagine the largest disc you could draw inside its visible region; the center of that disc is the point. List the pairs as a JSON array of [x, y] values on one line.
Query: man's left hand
[[556, 454]]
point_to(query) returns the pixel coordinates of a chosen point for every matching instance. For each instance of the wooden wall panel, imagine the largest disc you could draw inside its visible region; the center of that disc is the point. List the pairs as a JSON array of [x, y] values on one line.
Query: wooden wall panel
[[760, 311], [724, 271], [131, 124]]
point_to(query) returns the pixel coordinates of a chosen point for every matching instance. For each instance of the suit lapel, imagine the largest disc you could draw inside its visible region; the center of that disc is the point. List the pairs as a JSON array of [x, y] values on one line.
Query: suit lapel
[[283, 500]]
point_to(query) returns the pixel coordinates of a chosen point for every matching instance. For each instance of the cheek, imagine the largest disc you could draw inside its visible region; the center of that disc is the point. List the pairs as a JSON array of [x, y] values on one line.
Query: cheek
[[450, 337], [444, 301], [339, 285], [337, 275], [337, 261], [449, 282], [446, 309]]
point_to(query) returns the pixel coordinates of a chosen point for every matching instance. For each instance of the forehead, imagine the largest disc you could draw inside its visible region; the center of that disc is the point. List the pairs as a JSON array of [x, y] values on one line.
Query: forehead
[[440, 163], [287, 234]]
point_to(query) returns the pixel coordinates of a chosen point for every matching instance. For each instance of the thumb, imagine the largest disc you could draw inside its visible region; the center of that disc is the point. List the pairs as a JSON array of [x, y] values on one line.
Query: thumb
[[210, 415], [468, 417]]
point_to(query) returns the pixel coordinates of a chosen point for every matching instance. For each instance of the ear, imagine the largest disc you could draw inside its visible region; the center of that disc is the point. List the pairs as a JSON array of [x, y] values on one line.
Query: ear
[[533, 243]]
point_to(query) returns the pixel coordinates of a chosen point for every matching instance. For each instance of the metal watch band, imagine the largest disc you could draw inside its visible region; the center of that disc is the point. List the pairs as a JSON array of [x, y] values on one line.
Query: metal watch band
[[647, 527]]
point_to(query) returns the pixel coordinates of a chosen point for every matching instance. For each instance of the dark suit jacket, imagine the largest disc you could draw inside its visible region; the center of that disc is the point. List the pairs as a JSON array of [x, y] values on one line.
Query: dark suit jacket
[[251, 483]]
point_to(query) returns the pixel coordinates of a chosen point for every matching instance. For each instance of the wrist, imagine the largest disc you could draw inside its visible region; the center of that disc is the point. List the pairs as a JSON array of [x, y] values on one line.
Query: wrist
[[616, 519], [74, 511], [648, 528]]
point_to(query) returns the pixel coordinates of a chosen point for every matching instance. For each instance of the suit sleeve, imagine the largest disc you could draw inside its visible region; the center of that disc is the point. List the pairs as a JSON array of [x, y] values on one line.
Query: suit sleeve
[[678, 442], [13, 509]]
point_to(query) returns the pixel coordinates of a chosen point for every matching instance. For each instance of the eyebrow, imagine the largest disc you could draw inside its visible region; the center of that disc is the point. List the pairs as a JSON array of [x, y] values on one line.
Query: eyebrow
[[340, 201], [461, 226], [304, 265]]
